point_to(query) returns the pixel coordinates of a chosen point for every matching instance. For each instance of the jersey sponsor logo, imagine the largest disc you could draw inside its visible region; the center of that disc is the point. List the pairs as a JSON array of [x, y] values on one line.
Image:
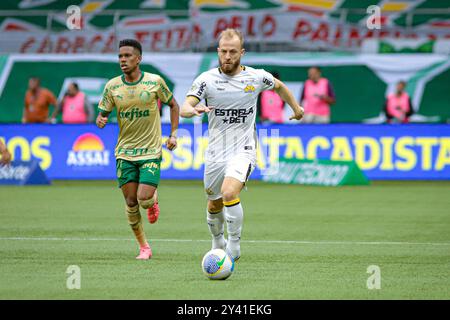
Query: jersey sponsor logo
[[248, 81], [233, 115], [118, 96], [134, 113], [201, 89], [149, 82], [267, 82], [136, 151], [117, 86], [221, 81], [104, 101], [88, 150], [249, 89]]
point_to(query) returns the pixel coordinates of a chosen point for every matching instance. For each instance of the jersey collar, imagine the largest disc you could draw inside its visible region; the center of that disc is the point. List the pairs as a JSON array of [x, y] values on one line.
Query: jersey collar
[[220, 70], [132, 83]]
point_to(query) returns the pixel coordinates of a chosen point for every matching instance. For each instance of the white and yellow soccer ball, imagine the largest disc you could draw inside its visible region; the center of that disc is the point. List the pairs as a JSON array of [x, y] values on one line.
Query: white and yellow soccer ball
[[217, 264]]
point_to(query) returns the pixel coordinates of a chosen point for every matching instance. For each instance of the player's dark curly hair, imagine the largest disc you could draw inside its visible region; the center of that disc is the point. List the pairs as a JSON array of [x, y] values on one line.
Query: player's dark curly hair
[[131, 43]]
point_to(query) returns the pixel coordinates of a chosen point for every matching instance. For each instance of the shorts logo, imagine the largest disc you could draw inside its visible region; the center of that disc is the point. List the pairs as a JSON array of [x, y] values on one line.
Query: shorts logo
[[209, 191], [151, 167]]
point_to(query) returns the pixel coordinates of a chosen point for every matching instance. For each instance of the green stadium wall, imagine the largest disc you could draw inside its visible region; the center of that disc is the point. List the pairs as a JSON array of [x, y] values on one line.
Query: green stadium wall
[[360, 81]]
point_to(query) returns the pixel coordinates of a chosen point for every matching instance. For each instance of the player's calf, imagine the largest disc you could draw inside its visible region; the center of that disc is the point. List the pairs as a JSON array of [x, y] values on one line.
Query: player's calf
[[234, 215], [135, 222], [215, 222]]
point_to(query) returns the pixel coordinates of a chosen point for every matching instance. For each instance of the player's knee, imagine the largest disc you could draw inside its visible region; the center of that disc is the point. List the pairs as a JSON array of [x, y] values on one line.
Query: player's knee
[[229, 195], [131, 202], [145, 194], [146, 203]]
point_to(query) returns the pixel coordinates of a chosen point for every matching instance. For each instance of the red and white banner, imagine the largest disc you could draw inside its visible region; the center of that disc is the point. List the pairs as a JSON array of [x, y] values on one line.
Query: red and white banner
[[159, 33], [303, 30]]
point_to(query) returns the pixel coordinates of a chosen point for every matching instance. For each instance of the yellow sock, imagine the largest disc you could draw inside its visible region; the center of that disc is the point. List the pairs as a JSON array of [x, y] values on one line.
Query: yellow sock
[[134, 219]]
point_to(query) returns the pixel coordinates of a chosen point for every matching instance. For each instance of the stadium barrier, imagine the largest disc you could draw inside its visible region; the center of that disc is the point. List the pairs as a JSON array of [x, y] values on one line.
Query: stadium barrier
[[317, 172], [412, 151], [23, 173]]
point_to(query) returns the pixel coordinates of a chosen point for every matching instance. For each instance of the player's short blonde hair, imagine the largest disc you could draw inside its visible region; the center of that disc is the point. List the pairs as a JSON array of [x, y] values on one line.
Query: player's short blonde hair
[[229, 33]]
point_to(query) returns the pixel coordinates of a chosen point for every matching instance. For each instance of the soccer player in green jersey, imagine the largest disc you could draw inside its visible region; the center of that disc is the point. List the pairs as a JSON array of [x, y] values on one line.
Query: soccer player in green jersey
[[134, 94]]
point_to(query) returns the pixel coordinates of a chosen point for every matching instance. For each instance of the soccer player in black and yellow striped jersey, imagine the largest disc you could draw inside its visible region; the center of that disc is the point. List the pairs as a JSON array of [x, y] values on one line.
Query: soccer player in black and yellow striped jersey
[[138, 152]]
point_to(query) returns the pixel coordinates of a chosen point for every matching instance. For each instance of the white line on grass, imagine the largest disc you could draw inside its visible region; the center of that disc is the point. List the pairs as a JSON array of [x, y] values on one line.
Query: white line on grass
[[248, 241]]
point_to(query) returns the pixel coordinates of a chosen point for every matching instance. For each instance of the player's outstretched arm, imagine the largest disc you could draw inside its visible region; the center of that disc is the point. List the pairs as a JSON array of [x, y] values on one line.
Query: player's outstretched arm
[[102, 119], [288, 97], [191, 107], [171, 143]]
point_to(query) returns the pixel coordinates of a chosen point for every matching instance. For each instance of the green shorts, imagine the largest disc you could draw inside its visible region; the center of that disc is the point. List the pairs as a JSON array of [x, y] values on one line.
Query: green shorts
[[141, 171]]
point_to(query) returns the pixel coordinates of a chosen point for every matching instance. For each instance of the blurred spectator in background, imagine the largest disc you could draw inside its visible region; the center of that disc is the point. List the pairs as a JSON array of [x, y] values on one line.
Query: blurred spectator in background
[[398, 107], [271, 105], [75, 106], [5, 156], [37, 102], [316, 98]]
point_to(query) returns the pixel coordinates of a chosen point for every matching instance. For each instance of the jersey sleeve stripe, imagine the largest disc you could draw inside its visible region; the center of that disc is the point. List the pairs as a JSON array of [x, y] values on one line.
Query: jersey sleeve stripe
[[104, 112], [191, 95], [170, 99]]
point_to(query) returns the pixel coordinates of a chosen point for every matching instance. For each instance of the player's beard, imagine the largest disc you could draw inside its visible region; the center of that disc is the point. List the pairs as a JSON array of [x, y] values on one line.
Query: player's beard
[[229, 68]]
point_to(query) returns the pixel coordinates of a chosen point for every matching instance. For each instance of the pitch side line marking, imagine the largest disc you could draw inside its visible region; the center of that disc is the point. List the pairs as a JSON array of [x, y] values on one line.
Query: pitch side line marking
[[245, 241]]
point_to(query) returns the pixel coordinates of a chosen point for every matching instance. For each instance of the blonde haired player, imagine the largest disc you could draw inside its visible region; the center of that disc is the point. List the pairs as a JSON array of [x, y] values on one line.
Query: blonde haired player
[[138, 151], [230, 93]]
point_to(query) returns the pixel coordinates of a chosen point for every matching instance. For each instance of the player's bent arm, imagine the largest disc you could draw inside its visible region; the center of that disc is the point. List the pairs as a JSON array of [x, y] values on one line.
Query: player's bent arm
[[188, 107], [282, 90], [174, 117]]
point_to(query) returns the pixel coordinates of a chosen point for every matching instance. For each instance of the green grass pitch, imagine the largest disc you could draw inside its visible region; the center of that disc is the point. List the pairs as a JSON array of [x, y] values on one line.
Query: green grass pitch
[[298, 242]]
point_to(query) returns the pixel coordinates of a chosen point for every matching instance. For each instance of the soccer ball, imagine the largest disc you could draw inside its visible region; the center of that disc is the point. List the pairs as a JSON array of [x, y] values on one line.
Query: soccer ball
[[217, 264]]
